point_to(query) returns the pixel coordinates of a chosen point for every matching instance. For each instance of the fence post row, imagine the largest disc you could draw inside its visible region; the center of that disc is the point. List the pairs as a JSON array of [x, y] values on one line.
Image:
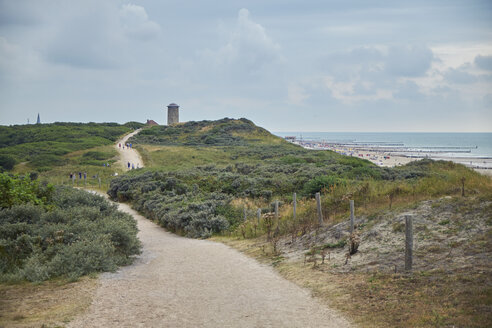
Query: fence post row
[[351, 216], [408, 242], [318, 206]]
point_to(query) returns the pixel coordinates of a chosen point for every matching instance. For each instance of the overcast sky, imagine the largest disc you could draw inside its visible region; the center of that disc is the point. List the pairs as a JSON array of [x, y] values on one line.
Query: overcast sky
[[287, 65]]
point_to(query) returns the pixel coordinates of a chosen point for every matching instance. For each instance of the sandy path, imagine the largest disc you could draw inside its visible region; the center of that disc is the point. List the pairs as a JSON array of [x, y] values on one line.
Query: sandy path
[[128, 155], [180, 282]]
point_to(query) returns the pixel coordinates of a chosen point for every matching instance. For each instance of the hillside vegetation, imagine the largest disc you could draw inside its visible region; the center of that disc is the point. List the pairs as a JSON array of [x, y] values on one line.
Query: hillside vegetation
[[48, 232], [44, 146], [253, 168], [225, 132], [209, 178]]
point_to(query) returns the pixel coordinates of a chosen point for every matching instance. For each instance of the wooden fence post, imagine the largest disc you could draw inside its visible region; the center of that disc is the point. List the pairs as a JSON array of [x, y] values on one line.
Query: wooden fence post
[[351, 216], [408, 243], [258, 214], [99, 180], [318, 206], [276, 211]]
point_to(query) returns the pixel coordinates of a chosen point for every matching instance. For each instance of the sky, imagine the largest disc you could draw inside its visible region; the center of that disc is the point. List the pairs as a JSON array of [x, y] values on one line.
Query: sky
[[311, 65]]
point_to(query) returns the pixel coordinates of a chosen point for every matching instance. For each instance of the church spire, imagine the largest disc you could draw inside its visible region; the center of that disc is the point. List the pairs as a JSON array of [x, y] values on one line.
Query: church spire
[[39, 120]]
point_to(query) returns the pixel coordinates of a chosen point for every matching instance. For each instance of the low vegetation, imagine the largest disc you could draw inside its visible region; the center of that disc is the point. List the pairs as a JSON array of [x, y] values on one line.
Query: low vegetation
[[205, 179], [209, 178], [48, 232], [251, 168], [44, 146]]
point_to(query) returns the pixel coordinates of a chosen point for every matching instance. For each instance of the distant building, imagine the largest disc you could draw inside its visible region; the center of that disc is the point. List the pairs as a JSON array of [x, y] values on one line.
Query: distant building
[[151, 122], [39, 120], [290, 138], [172, 114]]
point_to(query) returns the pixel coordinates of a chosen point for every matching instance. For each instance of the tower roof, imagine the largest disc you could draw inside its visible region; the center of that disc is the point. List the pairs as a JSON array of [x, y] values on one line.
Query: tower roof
[[172, 105]]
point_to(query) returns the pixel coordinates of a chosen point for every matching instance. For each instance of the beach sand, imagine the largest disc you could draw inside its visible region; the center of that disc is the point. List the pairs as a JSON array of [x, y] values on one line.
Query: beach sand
[[384, 159]]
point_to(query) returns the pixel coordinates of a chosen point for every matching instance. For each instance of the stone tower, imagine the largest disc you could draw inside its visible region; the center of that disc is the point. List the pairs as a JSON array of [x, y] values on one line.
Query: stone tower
[[172, 114]]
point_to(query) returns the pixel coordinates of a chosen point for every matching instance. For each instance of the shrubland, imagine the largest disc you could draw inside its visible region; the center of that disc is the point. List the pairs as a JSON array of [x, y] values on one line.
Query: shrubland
[[42, 147], [203, 178], [48, 232], [190, 193]]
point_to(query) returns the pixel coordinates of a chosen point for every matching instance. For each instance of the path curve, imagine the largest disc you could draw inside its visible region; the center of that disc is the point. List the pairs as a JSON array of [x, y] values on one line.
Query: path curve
[[181, 282], [128, 155]]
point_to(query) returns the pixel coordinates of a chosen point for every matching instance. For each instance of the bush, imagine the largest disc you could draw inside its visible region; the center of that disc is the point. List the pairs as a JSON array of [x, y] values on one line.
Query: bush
[[7, 162], [80, 233], [16, 190], [317, 184]]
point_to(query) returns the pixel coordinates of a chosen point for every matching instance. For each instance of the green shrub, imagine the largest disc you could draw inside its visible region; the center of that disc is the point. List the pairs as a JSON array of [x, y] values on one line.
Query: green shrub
[[7, 162], [322, 182], [80, 233], [97, 155], [16, 190]]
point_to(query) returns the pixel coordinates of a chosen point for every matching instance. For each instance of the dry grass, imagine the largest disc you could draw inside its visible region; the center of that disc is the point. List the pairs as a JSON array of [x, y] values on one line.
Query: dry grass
[[50, 304], [424, 299]]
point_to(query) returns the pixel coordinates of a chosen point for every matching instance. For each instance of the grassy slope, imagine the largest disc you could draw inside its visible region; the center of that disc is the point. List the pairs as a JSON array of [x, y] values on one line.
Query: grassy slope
[[451, 283], [372, 297], [55, 150]]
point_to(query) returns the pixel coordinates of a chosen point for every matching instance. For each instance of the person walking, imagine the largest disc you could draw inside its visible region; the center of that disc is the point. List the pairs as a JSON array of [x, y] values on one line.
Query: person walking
[[80, 175], [128, 164], [119, 145], [133, 166]]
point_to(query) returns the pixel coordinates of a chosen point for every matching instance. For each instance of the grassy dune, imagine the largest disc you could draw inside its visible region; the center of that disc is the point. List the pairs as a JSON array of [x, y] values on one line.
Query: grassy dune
[[248, 170]]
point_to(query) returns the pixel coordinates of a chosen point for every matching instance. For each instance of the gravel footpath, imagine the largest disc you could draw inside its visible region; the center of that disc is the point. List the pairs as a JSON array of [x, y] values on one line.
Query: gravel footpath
[[181, 282], [128, 155]]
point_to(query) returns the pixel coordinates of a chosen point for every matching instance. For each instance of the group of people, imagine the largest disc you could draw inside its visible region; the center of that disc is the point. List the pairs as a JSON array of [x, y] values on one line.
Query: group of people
[[132, 166], [128, 145], [73, 176]]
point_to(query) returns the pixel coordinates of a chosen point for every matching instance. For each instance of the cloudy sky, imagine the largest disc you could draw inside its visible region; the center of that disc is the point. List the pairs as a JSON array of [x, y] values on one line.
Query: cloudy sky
[[288, 65]]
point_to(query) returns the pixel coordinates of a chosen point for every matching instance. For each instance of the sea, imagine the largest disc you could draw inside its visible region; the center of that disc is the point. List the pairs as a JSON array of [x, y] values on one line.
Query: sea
[[459, 147]]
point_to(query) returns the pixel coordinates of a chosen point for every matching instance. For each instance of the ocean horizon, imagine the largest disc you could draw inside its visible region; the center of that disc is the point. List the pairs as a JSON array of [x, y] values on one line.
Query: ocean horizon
[[473, 145]]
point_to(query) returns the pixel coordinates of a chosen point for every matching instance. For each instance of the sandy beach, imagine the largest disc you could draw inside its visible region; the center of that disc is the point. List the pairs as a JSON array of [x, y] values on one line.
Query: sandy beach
[[392, 159]]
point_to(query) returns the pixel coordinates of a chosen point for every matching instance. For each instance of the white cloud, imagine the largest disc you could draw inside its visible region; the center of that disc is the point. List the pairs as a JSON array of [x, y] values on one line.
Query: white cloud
[[97, 36], [136, 23], [248, 50]]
